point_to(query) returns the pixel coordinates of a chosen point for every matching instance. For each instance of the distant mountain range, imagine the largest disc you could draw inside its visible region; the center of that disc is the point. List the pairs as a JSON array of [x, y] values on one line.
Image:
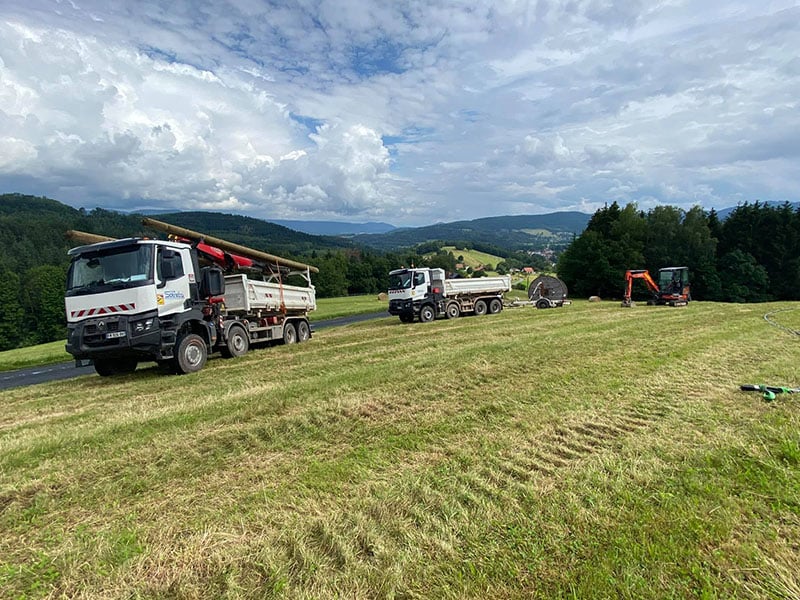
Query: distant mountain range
[[517, 232], [19, 213], [529, 232], [555, 230], [723, 213], [334, 227]]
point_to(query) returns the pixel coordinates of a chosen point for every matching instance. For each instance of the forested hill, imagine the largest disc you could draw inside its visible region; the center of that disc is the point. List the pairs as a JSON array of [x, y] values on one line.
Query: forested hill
[[32, 231], [533, 232], [254, 233]]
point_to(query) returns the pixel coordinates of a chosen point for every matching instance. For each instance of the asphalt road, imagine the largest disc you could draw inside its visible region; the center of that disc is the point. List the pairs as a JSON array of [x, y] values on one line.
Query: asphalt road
[[68, 370]]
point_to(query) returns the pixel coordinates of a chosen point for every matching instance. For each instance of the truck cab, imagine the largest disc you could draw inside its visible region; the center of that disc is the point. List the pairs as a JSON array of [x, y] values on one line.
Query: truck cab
[[410, 288], [129, 300]]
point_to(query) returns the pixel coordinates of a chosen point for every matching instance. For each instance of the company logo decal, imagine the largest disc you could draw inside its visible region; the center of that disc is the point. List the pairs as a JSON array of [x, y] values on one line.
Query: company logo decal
[[102, 310], [169, 295]]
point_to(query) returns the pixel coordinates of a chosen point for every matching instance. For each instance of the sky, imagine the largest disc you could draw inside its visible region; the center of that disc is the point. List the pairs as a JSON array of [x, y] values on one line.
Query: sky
[[406, 112]]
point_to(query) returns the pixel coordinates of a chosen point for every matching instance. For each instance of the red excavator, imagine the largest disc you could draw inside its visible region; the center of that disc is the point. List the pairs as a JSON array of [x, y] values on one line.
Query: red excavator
[[672, 287]]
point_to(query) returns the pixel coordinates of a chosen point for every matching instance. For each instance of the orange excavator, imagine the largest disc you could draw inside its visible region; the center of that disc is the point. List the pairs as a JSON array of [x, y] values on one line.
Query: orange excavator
[[673, 286]]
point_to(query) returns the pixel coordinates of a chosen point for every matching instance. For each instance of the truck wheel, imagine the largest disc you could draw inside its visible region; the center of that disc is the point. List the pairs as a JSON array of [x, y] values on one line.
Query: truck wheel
[[480, 308], [453, 310], [495, 306], [238, 342], [191, 354], [303, 331], [542, 303], [125, 366], [426, 314], [106, 367], [406, 318], [289, 333]]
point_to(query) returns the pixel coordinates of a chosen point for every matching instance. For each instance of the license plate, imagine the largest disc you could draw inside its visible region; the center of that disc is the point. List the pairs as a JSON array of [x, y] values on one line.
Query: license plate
[[115, 334]]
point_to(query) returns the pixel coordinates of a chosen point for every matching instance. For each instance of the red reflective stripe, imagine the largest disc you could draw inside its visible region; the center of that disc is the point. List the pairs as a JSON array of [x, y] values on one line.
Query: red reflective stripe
[[102, 310]]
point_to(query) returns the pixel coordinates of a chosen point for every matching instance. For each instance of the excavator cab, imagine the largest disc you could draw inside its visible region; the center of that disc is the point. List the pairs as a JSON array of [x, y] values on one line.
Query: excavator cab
[[674, 281]]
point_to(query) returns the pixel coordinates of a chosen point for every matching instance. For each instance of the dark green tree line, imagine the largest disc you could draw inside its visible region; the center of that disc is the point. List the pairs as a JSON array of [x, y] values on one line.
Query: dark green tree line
[[752, 256]]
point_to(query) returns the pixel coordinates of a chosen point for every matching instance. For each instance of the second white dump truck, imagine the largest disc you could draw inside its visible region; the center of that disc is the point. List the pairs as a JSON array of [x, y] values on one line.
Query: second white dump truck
[[176, 301], [425, 294]]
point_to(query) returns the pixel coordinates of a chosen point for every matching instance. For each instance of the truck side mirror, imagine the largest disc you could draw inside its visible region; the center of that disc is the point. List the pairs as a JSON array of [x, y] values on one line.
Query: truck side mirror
[[212, 282], [167, 268]]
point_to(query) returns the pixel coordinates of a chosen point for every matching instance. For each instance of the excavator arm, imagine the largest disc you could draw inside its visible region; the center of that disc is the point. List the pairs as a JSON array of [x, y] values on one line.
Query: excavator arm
[[642, 274]]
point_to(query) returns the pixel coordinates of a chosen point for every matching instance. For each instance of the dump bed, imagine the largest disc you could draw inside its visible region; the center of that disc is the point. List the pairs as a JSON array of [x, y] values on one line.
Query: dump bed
[[245, 295], [478, 285]]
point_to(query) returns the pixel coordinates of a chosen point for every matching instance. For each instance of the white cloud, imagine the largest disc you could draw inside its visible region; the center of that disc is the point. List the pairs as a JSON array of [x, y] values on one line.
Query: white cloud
[[408, 112]]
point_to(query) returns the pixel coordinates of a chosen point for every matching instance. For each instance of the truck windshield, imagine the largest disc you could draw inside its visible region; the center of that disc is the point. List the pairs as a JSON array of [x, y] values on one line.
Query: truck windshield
[[115, 268], [400, 281]]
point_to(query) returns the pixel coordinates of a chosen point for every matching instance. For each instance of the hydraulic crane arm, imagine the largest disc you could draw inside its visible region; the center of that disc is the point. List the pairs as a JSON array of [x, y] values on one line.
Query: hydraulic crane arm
[[225, 254], [256, 255]]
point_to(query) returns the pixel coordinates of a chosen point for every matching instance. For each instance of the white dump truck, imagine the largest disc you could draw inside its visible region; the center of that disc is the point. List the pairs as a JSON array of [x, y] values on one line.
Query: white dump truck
[[425, 294], [136, 300]]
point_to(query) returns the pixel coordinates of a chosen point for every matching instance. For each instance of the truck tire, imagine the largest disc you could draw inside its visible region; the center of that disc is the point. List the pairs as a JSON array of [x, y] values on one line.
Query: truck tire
[[126, 365], [480, 308], [289, 333], [453, 310], [238, 342], [191, 354], [542, 303], [426, 314], [406, 318], [106, 367], [303, 331], [495, 306]]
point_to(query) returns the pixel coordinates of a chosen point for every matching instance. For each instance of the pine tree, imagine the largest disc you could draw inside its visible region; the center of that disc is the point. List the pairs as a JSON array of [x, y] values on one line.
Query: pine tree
[[12, 316]]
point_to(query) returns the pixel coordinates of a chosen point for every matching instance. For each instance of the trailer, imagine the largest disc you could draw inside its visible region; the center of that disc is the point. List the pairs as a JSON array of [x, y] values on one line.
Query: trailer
[[425, 294], [177, 301], [547, 291]]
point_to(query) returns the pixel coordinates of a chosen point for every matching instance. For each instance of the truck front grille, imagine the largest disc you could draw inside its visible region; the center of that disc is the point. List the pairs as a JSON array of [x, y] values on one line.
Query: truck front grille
[[94, 333]]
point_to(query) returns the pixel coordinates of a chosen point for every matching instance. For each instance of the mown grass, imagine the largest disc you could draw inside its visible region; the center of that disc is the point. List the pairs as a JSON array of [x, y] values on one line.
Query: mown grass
[[53, 352], [331, 308], [42, 354], [589, 451]]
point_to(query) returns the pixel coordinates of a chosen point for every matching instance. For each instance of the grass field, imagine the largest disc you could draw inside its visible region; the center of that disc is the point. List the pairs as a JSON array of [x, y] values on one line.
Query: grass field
[[331, 308], [53, 352], [474, 258], [43, 354], [586, 452]]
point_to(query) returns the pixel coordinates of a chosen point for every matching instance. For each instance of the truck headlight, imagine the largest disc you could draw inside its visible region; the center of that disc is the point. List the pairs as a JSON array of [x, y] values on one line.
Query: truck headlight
[[144, 325]]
